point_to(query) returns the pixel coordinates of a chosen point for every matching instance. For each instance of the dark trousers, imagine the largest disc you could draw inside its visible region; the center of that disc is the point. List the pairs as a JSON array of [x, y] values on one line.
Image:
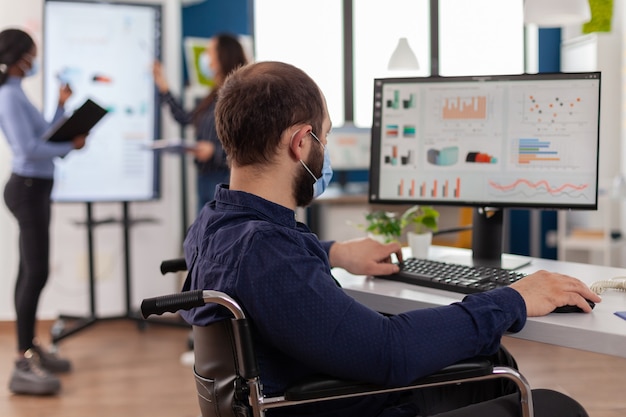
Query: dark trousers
[[492, 398], [546, 403], [498, 398], [28, 199]]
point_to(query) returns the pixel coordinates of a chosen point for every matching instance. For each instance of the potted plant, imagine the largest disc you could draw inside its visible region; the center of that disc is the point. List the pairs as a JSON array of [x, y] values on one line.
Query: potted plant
[[384, 226], [421, 221]]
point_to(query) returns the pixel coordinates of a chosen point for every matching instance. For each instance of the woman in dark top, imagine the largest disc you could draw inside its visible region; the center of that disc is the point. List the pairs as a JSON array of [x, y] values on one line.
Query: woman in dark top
[[225, 55]]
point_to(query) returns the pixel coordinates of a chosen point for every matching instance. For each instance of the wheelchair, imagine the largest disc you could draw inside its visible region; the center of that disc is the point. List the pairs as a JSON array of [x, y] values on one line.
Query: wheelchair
[[228, 380]]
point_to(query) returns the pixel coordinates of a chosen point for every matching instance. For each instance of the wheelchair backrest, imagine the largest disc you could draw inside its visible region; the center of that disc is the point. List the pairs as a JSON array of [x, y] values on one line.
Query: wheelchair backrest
[[215, 371]]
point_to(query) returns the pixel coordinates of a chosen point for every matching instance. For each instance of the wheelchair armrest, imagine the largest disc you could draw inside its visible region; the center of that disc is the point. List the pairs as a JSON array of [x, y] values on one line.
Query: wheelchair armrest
[[173, 265], [320, 386], [461, 370]]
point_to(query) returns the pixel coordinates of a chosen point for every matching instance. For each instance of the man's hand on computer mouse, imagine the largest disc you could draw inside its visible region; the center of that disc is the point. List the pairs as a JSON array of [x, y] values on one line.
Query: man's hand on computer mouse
[[544, 291], [365, 256]]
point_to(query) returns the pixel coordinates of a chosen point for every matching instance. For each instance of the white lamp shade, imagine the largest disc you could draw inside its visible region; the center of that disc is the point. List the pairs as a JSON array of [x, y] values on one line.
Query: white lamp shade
[[555, 13], [403, 57]]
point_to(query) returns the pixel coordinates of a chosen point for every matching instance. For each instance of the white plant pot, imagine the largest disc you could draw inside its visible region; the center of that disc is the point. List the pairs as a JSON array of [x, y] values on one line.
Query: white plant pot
[[419, 243]]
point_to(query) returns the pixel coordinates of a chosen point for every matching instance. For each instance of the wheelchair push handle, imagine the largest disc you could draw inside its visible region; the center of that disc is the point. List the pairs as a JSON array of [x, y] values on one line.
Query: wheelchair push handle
[[172, 303], [173, 265]]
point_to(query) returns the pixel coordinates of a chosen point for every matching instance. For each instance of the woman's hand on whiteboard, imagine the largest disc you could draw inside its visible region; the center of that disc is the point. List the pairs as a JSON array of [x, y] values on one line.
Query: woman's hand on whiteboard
[[64, 93], [79, 141], [159, 77]]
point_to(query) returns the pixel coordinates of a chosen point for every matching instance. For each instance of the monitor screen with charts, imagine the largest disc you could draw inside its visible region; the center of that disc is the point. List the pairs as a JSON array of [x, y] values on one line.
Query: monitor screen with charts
[[514, 141]]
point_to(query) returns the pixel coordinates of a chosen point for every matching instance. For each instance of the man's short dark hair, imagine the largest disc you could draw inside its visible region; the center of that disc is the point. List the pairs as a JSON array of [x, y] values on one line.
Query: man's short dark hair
[[258, 102]]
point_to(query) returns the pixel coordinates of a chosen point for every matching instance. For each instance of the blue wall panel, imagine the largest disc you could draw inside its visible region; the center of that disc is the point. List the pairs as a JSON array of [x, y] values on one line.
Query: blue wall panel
[[212, 16], [549, 50]]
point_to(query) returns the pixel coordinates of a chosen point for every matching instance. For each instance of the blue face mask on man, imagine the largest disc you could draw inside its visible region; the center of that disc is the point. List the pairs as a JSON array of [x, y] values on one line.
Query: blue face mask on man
[[322, 182]]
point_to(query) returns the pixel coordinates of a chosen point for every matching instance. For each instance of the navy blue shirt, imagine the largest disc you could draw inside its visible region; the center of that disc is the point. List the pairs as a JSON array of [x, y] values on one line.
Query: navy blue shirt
[[304, 323]]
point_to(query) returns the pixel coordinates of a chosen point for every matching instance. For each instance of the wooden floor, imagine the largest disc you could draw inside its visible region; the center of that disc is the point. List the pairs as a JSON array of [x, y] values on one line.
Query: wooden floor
[[120, 370]]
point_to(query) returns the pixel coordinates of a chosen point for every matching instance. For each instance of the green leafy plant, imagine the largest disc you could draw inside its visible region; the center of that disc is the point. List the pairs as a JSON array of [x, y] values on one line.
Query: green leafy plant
[[421, 219], [384, 223]]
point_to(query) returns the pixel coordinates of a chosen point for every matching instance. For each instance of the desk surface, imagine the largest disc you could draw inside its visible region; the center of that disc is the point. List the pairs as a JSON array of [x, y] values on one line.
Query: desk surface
[[601, 331]]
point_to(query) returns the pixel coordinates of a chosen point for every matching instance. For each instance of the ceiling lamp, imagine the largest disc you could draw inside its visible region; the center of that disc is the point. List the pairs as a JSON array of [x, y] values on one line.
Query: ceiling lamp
[[403, 57]]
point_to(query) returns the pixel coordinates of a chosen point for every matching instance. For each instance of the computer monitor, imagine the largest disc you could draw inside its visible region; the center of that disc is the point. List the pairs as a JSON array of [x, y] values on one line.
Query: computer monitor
[[488, 142]]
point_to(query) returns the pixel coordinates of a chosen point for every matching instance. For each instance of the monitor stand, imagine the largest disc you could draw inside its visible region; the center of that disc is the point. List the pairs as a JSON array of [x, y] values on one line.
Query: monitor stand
[[487, 232]]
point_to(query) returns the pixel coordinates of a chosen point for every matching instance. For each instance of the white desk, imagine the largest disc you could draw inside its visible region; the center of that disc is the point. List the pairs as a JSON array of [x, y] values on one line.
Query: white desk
[[601, 331]]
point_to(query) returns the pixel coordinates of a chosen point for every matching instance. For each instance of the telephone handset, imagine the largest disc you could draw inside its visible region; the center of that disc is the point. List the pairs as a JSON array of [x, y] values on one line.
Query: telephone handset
[[616, 283]]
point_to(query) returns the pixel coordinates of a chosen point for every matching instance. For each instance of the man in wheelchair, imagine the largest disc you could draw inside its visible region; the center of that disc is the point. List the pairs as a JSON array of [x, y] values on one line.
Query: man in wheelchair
[[273, 122]]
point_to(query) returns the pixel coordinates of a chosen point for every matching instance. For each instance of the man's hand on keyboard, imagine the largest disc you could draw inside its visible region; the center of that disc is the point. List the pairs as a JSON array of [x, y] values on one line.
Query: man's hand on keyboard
[[365, 256], [544, 291]]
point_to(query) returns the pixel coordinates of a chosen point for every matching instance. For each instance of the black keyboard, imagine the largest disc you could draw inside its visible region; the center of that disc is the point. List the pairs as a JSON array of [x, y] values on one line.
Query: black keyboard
[[453, 277]]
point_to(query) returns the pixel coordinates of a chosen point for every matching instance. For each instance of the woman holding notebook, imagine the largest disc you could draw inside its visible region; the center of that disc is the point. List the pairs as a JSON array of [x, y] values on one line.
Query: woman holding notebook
[[27, 196]]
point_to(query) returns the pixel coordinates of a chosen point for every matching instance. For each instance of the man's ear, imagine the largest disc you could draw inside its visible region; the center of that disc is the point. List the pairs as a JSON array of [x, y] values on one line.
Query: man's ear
[[297, 143]]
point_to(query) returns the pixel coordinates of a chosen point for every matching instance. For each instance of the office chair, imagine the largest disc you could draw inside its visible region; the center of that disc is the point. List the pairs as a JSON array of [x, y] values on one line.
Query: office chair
[[228, 378]]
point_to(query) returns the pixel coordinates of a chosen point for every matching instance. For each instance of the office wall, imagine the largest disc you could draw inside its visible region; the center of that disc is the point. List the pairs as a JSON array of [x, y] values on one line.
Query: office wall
[[67, 291], [608, 59], [610, 62]]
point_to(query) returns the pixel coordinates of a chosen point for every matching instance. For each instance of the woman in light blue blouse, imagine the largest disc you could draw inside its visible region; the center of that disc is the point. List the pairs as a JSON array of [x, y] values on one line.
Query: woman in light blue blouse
[[27, 196]]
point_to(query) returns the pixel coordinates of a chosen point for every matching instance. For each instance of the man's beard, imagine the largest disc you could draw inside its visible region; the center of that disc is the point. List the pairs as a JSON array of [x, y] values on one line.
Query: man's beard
[[303, 183]]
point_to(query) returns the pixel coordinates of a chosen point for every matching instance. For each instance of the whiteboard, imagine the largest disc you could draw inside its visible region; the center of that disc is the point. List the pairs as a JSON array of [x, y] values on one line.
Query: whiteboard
[[105, 52]]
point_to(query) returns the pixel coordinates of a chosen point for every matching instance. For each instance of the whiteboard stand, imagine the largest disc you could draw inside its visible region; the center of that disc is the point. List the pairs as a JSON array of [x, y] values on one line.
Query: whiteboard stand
[[67, 325], [59, 330]]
